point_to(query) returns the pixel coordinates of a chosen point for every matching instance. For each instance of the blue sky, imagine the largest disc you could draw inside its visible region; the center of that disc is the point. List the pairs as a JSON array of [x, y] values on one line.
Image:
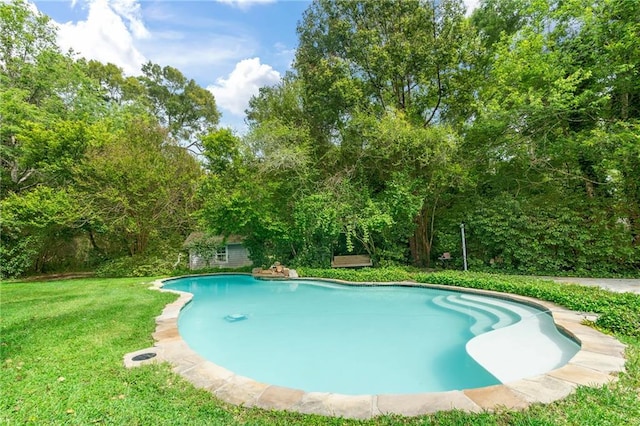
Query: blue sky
[[231, 47]]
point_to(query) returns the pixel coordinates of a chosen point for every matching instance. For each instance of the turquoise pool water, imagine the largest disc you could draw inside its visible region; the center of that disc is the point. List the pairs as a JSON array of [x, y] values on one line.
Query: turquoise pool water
[[317, 336]]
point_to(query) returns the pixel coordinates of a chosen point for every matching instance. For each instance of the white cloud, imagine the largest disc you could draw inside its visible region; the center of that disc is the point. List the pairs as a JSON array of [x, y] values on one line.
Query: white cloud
[[108, 34], [197, 57], [130, 10], [471, 5], [234, 92], [245, 4]]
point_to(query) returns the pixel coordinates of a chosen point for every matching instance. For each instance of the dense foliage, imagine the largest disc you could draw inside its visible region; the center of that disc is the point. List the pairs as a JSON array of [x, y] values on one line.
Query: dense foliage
[[96, 165], [399, 121], [402, 120]]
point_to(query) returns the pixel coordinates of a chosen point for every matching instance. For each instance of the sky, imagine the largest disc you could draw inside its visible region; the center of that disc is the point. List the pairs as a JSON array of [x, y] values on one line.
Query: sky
[[230, 47]]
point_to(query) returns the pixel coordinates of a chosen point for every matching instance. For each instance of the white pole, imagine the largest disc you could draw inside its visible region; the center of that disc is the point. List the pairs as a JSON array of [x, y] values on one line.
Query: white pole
[[464, 247]]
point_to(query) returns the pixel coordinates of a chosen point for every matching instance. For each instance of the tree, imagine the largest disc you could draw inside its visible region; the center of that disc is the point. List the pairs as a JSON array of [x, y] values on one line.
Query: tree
[[140, 188], [378, 55], [251, 191], [34, 225], [38, 86], [496, 19], [26, 39], [420, 167], [549, 111], [187, 110], [47, 114], [115, 87], [375, 76], [79, 130]]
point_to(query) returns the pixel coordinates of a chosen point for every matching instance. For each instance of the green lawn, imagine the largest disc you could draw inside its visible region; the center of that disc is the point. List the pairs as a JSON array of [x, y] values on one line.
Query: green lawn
[[62, 344]]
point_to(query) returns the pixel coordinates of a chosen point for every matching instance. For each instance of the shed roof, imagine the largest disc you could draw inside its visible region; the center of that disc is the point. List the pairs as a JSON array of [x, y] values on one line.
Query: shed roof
[[213, 239]]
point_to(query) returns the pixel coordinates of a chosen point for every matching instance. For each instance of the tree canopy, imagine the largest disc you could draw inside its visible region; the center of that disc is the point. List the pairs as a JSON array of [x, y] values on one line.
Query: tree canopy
[[403, 119], [399, 121], [95, 164]]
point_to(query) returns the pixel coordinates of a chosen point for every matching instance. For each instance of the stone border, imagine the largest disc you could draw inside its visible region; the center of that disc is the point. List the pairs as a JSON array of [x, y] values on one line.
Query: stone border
[[597, 362]]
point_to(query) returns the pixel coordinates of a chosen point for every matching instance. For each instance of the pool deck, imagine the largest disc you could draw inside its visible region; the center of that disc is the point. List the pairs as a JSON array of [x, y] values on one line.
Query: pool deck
[[617, 285], [599, 360]]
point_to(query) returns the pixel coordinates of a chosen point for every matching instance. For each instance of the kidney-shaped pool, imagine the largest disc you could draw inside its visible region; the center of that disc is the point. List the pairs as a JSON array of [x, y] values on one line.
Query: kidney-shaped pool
[[320, 336]]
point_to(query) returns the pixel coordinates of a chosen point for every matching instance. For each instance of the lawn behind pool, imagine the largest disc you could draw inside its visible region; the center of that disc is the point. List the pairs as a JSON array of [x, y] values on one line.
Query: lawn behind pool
[[63, 341]]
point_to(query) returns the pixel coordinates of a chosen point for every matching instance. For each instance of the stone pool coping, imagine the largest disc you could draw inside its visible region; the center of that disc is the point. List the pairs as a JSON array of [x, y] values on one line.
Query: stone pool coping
[[597, 362]]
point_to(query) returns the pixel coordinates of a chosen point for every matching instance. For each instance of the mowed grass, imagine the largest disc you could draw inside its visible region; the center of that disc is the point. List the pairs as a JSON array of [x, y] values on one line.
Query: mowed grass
[[62, 345]]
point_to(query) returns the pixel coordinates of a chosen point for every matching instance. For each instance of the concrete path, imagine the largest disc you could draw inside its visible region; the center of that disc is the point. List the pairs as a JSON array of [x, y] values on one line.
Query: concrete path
[[612, 284]]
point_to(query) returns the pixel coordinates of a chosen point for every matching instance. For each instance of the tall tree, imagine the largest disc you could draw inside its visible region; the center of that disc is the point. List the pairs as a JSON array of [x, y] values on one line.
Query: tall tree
[[67, 133], [38, 85], [26, 40], [379, 55], [139, 187], [400, 62], [187, 110], [550, 109], [46, 115], [115, 87]]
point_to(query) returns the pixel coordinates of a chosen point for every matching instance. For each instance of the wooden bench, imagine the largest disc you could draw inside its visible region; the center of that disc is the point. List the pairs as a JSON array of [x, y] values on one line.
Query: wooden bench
[[351, 261]]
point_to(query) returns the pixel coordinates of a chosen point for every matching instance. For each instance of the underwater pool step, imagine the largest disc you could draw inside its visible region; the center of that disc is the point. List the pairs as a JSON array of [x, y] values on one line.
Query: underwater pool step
[[505, 315], [521, 310], [498, 318], [489, 315], [482, 321]]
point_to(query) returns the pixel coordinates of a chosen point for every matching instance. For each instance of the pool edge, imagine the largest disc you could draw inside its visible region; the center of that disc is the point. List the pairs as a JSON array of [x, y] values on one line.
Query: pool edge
[[599, 360]]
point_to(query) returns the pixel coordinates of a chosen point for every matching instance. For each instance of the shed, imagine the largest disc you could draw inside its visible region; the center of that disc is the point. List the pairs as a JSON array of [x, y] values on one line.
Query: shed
[[216, 251]]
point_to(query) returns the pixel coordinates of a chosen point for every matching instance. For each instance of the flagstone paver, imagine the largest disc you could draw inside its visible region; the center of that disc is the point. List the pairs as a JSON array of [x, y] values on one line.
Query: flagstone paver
[[241, 390], [279, 398], [582, 375], [542, 388], [492, 397], [425, 403]]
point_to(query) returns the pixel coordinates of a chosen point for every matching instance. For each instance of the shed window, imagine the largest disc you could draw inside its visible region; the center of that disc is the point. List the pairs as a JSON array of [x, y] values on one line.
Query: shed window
[[221, 255]]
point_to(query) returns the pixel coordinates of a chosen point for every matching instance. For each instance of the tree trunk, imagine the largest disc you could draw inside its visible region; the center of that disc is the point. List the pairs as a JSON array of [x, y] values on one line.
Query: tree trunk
[[421, 241], [94, 244], [624, 108]]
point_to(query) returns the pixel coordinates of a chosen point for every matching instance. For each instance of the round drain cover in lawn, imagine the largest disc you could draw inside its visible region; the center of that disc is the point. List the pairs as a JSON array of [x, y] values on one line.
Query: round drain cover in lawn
[[143, 357]]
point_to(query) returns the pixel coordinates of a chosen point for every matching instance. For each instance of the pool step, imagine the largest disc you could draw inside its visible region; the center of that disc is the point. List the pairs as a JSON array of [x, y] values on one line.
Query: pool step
[[488, 314], [482, 320], [521, 310], [504, 313]]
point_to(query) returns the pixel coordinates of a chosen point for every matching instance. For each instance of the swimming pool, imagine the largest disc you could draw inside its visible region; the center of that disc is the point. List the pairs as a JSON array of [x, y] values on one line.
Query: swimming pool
[[324, 337]]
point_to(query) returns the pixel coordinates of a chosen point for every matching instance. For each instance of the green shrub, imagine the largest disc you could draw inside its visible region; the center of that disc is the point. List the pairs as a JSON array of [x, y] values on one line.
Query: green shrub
[[623, 321], [16, 258], [135, 267], [203, 271], [539, 234], [390, 274]]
